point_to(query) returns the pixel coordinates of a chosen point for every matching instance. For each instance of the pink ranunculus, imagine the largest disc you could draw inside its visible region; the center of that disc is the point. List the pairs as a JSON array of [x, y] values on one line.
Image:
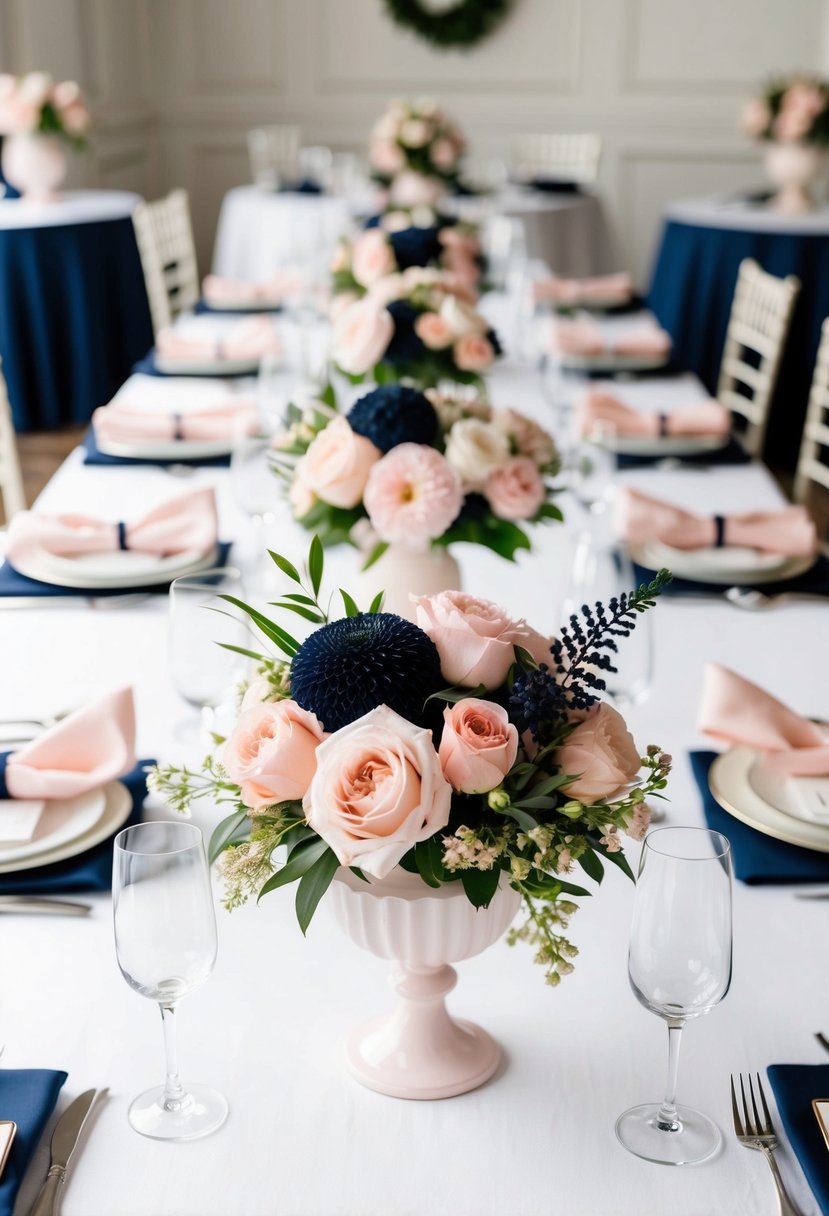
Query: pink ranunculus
[[271, 753], [473, 353], [516, 489], [475, 638], [433, 331], [755, 118], [378, 789], [386, 156], [600, 753], [478, 745], [337, 465], [410, 189], [372, 257], [76, 119], [412, 496], [443, 154], [361, 334]]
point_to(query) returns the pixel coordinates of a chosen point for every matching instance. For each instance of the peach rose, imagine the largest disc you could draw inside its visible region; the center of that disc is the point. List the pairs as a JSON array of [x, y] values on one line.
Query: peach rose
[[340, 302], [516, 489], [386, 156], [389, 288], [66, 94], [443, 154], [601, 754], [361, 334], [337, 464], [416, 133], [300, 494], [271, 753], [433, 331], [475, 638], [461, 318], [378, 789], [372, 257], [473, 353], [76, 119], [478, 745]]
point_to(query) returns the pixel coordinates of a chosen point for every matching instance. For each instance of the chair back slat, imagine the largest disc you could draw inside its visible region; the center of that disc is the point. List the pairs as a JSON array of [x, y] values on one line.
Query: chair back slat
[[572, 157], [274, 154], [11, 478], [164, 232], [813, 461]]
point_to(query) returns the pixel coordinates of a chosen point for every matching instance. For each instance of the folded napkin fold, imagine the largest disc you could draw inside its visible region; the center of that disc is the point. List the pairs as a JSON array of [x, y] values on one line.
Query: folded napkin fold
[[90, 747], [187, 522], [116, 423], [585, 336], [27, 1097], [249, 339], [599, 408], [738, 712], [572, 292], [789, 532], [794, 1087], [220, 292]]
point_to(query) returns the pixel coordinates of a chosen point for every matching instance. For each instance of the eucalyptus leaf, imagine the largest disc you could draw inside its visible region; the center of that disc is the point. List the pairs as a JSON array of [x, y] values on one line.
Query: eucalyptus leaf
[[286, 567], [300, 861], [480, 885], [316, 561], [375, 555], [351, 608], [591, 863], [278, 636], [313, 885], [232, 830]]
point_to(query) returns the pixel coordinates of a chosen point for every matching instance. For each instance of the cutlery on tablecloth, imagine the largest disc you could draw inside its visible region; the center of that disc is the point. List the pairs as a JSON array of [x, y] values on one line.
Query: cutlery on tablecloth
[[753, 600], [8, 1130], [39, 905], [65, 1138], [755, 1130]]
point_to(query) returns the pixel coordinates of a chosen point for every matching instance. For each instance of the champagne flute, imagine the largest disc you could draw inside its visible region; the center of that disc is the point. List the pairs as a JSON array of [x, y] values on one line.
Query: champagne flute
[[165, 943], [680, 968]]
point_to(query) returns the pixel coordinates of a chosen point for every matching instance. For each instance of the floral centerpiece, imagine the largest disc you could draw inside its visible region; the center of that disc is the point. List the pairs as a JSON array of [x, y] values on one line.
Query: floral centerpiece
[[792, 117], [415, 151], [467, 755], [39, 119], [401, 240]]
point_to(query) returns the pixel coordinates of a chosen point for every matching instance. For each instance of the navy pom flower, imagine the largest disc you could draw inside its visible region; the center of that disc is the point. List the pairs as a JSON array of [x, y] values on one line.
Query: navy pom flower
[[394, 414], [405, 346], [415, 246], [349, 667]]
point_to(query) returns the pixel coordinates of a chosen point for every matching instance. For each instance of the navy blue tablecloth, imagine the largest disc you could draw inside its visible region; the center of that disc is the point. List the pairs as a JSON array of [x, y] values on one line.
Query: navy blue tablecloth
[[73, 318], [691, 291]]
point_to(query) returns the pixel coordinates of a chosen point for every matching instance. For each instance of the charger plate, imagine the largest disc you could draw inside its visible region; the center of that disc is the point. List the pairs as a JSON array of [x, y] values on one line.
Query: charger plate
[[116, 812], [734, 784]]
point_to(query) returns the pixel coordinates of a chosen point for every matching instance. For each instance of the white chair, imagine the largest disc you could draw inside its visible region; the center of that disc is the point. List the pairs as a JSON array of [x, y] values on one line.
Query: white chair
[[274, 154], [11, 478], [568, 157], [761, 313], [813, 461], [164, 232]]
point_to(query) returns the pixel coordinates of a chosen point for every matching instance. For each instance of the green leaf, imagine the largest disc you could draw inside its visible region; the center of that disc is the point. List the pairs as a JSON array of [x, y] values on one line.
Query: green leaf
[[249, 654], [552, 783], [375, 555], [315, 564], [377, 602], [525, 821], [618, 859], [309, 614], [548, 510], [300, 861], [278, 636], [592, 865], [356, 870], [328, 396], [407, 862], [286, 567], [296, 598], [313, 885], [351, 608], [537, 803], [569, 888], [524, 659], [429, 860], [480, 885], [456, 694], [228, 832]]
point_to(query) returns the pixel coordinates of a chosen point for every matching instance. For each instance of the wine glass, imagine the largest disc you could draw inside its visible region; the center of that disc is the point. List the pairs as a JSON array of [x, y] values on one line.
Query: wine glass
[[593, 467], [165, 943], [680, 968]]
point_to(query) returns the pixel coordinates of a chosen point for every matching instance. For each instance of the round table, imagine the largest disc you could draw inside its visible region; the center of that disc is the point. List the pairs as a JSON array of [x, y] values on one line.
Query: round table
[[703, 243], [73, 307], [260, 231]]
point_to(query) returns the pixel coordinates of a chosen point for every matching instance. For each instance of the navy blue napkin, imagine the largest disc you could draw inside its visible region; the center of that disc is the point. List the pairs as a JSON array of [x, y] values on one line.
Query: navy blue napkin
[[304, 186], [758, 859], [813, 582], [147, 367], [732, 453], [555, 185], [13, 583], [90, 871], [795, 1085], [93, 455], [27, 1097]]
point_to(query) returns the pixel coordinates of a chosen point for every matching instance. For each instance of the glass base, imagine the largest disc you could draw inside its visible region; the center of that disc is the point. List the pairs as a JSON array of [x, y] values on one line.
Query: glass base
[[695, 1138], [201, 1112]]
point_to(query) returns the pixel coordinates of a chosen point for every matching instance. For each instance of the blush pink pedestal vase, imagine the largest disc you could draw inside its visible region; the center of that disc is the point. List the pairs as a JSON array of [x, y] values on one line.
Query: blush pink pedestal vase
[[419, 1050], [401, 572]]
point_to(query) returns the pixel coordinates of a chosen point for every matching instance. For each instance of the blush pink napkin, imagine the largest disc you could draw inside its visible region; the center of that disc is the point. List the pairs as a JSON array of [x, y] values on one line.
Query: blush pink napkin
[[583, 291], [585, 337], [122, 423], [177, 526], [789, 532], [736, 711], [92, 746], [220, 291], [598, 408], [250, 339]]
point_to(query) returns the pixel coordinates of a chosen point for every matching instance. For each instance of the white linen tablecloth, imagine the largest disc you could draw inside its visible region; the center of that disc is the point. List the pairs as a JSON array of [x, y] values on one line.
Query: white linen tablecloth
[[738, 213], [302, 1138], [72, 207]]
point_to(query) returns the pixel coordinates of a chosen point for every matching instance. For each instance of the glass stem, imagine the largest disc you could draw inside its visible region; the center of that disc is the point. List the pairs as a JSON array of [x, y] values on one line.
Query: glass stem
[[666, 1119], [174, 1095]]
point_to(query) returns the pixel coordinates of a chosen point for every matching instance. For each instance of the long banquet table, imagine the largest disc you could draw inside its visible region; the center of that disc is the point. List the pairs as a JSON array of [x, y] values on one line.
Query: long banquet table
[[302, 1138]]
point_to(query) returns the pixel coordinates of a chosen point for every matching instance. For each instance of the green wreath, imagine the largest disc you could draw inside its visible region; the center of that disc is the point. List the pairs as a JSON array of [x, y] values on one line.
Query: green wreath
[[464, 24]]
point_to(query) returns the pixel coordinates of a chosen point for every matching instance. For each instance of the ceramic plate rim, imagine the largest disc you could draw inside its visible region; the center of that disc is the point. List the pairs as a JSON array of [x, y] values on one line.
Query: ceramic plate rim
[[791, 567], [165, 449], [734, 765], [35, 848], [117, 810], [89, 583], [615, 363], [660, 445], [207, 367]]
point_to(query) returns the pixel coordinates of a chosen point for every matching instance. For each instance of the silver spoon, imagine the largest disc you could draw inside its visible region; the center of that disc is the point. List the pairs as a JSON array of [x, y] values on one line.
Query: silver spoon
[[752, 600]]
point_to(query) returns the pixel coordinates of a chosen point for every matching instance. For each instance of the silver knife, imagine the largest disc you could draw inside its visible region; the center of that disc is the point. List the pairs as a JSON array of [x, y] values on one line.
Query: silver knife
[[42, 906], [64, 1139]]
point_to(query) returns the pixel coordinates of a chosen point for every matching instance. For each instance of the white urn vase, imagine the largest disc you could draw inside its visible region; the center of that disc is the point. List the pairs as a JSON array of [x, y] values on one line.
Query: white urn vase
[[419, 1050], [793, 168], [403, 572], [35, 163]]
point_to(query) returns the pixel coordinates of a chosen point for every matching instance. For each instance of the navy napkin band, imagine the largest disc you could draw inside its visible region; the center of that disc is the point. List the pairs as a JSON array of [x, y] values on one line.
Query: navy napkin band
[[122, 534], [719, 537], [4, 789], [178, 431], [663, 426]]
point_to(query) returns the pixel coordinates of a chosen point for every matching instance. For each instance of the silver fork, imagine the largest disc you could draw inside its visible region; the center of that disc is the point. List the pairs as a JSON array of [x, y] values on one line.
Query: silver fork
[[754, 1131]]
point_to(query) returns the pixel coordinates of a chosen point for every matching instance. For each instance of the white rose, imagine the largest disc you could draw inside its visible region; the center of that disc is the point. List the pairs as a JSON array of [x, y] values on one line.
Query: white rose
[[36, 88], [396, 221], [415, 133], [427, 107], [476, 449], [461, 318]]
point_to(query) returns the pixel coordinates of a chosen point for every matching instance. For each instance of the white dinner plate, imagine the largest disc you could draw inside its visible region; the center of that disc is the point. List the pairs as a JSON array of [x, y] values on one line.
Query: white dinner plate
[[166, 449], [610, 362], [115, 570], [206, 367], [660, 445], [733, 782], [116, 811], [726, 566], [62, 820]]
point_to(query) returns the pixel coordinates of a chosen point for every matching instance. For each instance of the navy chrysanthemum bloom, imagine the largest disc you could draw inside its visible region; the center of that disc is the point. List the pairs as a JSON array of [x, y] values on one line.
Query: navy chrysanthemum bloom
[[405, 346], [394, 414], [349, 667], [415, 246]]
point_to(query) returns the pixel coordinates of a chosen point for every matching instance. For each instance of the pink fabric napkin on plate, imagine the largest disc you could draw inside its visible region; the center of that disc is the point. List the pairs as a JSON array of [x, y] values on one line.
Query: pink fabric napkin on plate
[[736, 711], [186, 522], [123, 423], [585, 336], [219, 290], [91, 746], [789, 532], [249, 339], [599, 408], [583, 291]]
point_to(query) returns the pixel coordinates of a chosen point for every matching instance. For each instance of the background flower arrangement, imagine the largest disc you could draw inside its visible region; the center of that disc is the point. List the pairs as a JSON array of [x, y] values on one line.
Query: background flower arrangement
[[463, 748], [790, 109], [417, 469], [415, 151], [36, 103], [396, 243]]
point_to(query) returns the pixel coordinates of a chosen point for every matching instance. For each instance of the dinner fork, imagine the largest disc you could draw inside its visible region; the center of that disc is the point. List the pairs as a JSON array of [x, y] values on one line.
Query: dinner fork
[[754, 1131]]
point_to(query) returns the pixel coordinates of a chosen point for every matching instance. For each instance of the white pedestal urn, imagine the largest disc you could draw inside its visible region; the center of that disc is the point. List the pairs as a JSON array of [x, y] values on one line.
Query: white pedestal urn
[[420, 1050], [403, 572], [35, 163], [793, 168]]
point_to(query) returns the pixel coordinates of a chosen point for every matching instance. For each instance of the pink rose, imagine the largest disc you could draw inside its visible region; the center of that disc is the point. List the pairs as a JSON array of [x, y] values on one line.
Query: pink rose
[[443, 154], [337, 464], [526, 436], [792, 125], [66, 94], [413, 495], [478, 745], [76, 119], [433, 331], [473, 353], [475, 638], [381, 293], [372, 257], [340, 302], [271, 753], [808, 98], [410, 189], [378, 789], [601, 754], [515, 490], [300, 494], [361, 334], [386, 156]]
